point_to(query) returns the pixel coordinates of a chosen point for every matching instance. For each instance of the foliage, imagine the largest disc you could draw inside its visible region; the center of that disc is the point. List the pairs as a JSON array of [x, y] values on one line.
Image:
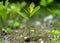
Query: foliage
[[16, 24], [32, 9], [16, 9], [18, 16], [45, 2], [9, 30], [58, 23], [3, 11], [55, 32], [12, 10], [57, 12]]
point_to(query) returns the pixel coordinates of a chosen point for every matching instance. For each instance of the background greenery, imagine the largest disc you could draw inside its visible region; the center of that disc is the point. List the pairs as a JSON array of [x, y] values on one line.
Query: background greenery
[[22, 15]]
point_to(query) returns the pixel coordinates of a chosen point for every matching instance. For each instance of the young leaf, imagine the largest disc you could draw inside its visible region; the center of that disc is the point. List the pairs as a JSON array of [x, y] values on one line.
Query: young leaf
[[34, 10], [9, 30], [43, 3], [16, 24], [21, 14], [6, 3], [3, 14], [1, 7], [50, 1], [31, 7]]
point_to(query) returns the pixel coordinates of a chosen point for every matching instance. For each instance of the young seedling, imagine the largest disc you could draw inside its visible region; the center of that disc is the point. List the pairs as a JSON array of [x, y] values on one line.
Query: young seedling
[[32, 9]]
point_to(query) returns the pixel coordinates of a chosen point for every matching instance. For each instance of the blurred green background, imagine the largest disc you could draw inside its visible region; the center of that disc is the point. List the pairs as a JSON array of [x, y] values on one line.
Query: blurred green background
[[37, 18]]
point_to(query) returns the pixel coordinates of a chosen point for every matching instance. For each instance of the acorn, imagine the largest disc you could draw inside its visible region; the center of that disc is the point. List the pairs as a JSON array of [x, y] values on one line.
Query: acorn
[[3, 32], [26, 39]]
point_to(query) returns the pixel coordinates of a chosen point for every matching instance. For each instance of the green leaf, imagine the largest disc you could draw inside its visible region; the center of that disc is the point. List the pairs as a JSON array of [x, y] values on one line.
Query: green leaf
[[58, 23], [6, 3], [9, 30], [34, 10], [17, 9], [3, 14], [56, 11], [43, 3], [1, 7], [3, 11], [50, 1], [21, 14], [16, 24], [55, 32], [23, 4], [31, 7]]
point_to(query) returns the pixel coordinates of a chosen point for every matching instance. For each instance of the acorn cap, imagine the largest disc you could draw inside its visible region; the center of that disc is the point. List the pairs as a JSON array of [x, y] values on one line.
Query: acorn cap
[[25, 37], [3, 29]]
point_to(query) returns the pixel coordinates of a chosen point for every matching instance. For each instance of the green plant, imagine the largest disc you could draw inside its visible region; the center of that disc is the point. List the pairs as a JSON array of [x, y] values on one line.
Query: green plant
[[55, 32], [58, 23], [57, 12], [54, 39], [3, 11], [16, 9], [32, 9], [45, 2], [16, 23], [9, 30]]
